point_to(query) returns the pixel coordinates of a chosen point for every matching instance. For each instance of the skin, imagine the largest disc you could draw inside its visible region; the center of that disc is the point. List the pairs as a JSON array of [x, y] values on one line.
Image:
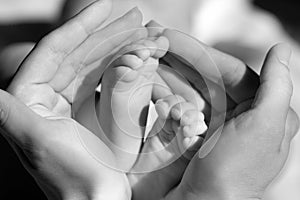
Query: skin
[[253, 117], [172, 142], [125, 96], [256, 135], [36, 139], [43, 135]]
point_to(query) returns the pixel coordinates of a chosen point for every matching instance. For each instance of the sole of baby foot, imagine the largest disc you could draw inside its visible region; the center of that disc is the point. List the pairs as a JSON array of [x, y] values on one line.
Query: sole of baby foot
[[125, 97]]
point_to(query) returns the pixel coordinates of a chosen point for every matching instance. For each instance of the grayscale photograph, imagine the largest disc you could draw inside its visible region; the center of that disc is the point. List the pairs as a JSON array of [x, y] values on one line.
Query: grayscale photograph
[[149, 99]]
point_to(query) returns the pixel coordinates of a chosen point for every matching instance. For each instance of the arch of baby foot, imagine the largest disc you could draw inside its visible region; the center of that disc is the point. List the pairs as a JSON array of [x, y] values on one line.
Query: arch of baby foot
[[190, 78]]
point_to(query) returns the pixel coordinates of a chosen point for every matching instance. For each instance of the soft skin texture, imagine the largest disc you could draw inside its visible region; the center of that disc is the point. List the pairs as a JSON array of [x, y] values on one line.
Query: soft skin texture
[[255, 140], [37, 119], [166, 178], [39, 140], [126, 90], [241, 85], [175, 137]]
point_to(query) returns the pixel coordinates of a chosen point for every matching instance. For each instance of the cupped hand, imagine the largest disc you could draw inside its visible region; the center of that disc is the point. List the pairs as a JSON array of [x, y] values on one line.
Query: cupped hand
[[244, 155], [236, 161], [58, 76]]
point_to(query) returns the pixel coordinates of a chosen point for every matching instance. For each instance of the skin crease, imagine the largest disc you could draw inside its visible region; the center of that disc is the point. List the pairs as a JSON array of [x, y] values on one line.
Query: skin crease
[[21, 136], [246, 130], [45, 139], [125, 97], [291, 120], [225, 64]]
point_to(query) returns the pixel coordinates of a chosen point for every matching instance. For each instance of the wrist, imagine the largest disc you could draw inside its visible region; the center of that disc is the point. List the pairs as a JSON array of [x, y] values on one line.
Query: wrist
[[116, 191], [185, 192], [98, 196]]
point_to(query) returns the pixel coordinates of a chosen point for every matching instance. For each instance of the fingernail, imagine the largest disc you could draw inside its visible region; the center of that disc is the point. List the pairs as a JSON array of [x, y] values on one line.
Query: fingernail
[[2, 117], [208, 146], [284, 54], [133, 13], [155, 23], [134, 9]]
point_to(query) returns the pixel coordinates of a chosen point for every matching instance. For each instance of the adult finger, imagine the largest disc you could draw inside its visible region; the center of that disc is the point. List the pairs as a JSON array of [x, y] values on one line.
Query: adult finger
[[291, 129], [240, 81], [99, 46], [212, 92], [54, 47], [274, 94], [17, 120], [154, 29], [292, 124], [79, 28], [179, 85]]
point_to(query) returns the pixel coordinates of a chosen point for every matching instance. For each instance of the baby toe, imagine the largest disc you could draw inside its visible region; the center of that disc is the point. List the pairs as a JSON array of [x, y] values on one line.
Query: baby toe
[[180, 108], [143, 53], [152, 46], [190, 117], [162, 47], [123, 74], [137, 49], [194, 129], [131, 61], [163, 106], [154, 29], [149, 68], [192, 144]]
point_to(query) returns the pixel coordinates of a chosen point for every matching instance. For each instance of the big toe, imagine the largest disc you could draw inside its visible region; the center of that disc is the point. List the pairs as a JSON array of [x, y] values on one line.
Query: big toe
[[123, 70], [162, 47], [164, 106]]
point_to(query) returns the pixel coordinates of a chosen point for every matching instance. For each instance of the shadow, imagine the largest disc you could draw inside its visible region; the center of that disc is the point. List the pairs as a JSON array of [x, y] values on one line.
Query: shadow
[[15, 181]]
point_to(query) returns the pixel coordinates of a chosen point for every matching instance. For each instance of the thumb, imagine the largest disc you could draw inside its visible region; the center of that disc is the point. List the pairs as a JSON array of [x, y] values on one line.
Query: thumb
[[16, 120], [154, 29], [276, 88], [291, 129]]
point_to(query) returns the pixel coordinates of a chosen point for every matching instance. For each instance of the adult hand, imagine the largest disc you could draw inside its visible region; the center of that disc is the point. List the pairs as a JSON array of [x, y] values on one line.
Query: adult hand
[[253, 145], [173, 81], [56, 78], [245, 148]]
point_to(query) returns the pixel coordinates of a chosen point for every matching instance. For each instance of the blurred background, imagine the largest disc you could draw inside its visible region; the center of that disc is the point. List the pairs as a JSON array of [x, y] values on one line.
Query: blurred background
[[243, 28]]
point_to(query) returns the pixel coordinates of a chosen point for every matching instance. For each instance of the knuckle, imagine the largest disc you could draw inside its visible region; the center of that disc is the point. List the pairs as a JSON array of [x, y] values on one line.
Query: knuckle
[[52, 42]]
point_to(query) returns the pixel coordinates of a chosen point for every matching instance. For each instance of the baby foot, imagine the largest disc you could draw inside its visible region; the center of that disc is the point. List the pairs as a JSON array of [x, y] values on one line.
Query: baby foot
[[174, 139], [125, 96], [183, 122]]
